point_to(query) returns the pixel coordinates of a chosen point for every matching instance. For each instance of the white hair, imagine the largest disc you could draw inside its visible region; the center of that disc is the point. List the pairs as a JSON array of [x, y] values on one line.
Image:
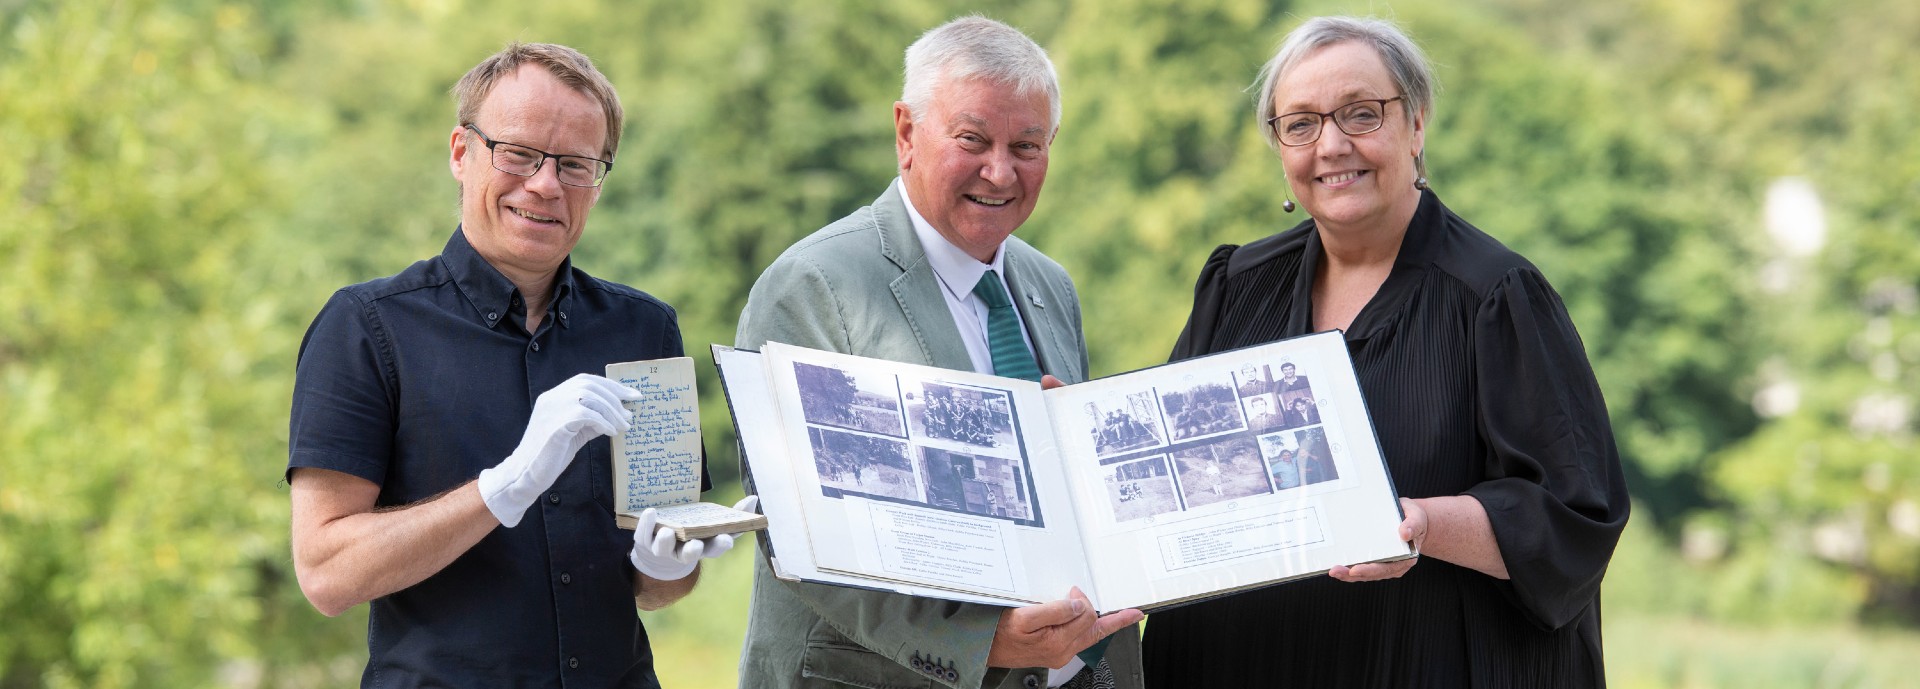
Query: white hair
[[977, 48]]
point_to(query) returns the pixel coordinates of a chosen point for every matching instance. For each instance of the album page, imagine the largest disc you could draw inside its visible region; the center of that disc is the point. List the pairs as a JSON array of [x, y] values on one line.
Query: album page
[[1225, 472]]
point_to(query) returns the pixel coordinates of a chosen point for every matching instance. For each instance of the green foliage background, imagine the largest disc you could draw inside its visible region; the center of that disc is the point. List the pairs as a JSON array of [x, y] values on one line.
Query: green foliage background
[[184, 183]]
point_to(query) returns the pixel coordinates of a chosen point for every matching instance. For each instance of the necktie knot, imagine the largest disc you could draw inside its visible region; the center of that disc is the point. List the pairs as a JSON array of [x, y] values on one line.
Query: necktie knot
[[990, 292]]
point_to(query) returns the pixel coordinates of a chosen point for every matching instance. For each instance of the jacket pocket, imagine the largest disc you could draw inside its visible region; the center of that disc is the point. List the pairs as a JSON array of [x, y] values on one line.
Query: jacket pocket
[[833, 665]]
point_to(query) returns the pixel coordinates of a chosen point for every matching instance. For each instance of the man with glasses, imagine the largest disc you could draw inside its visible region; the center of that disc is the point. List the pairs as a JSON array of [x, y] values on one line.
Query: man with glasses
[[445, 450], [930, 274]]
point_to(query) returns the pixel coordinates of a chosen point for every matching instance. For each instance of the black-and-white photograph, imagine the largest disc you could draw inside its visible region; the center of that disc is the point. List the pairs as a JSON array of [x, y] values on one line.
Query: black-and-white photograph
[[1141, 489], [979, 417], [1216, 472], [1291, 386], [975, 484], [1202, 408], [860, 464], [1282, 452], [1263, 412], [844, 399], [1124, 422], [1303, 412], [1254, 380]]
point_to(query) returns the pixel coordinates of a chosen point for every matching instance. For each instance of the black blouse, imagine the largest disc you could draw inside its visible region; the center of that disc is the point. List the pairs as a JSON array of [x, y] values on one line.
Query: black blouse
[[1477, 384]]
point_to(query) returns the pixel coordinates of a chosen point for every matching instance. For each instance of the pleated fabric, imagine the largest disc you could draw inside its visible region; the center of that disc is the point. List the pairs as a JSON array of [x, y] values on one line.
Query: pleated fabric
[[1477, 384]]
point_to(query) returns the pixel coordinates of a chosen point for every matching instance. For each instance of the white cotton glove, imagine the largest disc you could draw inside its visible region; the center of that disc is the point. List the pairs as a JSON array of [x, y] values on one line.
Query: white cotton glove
[[564, 418], [660, 556]]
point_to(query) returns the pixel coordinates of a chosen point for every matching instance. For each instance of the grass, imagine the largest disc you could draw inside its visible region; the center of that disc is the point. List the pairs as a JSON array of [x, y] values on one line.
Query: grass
[[696, 645], [1648, 650]]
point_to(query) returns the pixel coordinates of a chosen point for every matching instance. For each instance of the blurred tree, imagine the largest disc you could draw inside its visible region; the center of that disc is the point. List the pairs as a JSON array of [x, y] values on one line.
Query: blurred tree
[[187, 181], [142, 365]]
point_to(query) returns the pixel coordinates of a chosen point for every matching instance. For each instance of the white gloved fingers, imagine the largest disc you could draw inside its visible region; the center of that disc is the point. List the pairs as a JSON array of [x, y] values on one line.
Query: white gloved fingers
[[664, 544], [608, 387], [718, 545], [747, 504], [563, 419], [654, 554], [643, 531], [607, 417], [692, 551]]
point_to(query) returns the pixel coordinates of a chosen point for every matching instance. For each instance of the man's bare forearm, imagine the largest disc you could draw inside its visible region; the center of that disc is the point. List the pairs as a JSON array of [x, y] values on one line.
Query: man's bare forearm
[[347, 552], [653, 594]]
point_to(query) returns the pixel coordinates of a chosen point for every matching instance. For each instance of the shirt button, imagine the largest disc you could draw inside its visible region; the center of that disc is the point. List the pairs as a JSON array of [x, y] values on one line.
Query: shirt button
[[553, 498], [563, 315], [493, 315], [536, 346], [573, 663], [566, 578]]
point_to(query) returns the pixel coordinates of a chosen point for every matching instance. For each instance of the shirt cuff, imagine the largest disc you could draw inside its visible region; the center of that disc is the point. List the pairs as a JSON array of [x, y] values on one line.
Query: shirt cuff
[[1059, 676]]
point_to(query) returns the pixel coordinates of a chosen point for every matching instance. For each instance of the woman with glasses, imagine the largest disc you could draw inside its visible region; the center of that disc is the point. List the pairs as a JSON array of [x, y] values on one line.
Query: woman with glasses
[[1488, 412]]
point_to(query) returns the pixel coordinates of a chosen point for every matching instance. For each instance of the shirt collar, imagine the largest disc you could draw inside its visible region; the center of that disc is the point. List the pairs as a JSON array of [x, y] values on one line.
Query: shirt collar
[[1419, 247], [958, 272], [494, 298]]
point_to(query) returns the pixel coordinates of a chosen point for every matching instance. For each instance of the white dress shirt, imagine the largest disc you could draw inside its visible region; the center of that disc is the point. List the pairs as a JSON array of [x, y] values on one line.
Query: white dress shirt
[[958, 272]]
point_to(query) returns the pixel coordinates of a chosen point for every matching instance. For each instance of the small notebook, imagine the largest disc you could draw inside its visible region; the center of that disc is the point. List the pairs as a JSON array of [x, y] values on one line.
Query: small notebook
[[656, 463]]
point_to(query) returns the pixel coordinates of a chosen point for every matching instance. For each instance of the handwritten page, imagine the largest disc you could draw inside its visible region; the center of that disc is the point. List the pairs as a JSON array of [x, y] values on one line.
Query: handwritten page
[[657, 462]]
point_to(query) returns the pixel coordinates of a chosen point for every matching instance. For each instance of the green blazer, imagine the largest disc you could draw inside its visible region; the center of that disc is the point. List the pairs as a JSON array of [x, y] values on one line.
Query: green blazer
[[862, 285]]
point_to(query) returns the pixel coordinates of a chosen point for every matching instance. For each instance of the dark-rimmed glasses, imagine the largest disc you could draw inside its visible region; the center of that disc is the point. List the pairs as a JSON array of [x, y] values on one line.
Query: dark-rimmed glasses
[[525, 161], [1353, 119]]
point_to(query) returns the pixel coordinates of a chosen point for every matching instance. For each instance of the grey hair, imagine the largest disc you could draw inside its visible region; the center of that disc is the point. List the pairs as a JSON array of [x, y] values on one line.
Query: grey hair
[[1412, 74], [976, 47]]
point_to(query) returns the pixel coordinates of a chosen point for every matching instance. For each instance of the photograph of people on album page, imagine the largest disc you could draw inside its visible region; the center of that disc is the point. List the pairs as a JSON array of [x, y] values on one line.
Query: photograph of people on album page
[[1146, 489]]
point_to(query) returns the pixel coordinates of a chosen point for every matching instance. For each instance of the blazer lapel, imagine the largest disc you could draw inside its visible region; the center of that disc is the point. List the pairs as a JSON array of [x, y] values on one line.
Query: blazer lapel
[[1046, 322], [918, 289]]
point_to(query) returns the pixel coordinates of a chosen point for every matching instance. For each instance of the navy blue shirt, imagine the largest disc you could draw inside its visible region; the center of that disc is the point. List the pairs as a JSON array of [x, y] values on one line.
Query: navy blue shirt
[[417, 382]]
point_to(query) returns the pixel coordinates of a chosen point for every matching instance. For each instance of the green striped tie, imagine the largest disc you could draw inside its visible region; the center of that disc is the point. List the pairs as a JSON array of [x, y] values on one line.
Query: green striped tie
[[1011, 359]]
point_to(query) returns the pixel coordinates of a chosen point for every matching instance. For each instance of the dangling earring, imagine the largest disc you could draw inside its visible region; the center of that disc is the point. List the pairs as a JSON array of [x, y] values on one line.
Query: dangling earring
[[1286, 188], [1420, 166]]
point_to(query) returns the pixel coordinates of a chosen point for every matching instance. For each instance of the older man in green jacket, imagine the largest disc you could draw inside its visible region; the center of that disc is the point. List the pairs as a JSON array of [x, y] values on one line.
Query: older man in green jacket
[[930, 274]]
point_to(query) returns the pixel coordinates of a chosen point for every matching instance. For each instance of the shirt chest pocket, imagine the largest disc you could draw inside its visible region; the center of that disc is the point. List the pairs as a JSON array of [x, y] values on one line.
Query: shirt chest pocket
[[595, 460]]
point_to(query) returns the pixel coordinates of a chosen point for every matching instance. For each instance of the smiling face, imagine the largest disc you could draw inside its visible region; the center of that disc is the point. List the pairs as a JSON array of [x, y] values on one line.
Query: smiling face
[[525, 226], [974, 163], [1361, 182]]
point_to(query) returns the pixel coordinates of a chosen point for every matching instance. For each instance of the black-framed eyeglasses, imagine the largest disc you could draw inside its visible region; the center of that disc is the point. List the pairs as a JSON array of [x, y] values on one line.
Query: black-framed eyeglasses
[[1353, 119], [525, 161]]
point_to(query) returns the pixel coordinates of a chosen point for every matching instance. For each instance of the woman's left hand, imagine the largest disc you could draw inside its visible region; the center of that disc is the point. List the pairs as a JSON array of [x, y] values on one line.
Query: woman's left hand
[[1412, 530]]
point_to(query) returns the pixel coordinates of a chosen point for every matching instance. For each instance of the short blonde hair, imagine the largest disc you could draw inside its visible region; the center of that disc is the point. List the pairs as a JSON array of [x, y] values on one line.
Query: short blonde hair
[[570, 66]]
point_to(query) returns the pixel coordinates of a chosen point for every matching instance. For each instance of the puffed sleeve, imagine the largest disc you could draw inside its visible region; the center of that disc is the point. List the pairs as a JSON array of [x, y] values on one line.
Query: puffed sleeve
[[342, 417], [1208, 293], [1554, 491]]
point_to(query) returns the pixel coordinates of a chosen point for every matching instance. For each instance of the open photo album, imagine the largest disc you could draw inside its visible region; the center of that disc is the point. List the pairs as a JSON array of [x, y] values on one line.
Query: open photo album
[[1146, 489]]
